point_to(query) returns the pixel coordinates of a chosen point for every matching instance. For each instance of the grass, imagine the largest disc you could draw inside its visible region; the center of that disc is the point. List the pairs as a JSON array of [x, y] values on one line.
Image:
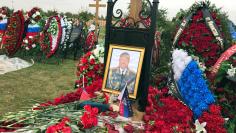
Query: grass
[[40, 82]]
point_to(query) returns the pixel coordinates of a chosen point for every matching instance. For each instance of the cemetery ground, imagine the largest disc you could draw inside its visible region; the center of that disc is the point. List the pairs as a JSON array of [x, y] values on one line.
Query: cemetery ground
[[38, 83], [21, 89]]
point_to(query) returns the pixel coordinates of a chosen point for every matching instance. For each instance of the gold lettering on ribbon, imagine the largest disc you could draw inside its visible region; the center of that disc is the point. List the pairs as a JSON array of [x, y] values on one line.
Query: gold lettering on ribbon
[[183, 24], [214, 31], [225, 56]]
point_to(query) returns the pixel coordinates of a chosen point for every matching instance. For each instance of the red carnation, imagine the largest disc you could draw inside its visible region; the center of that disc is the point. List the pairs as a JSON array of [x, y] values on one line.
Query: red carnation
[[84, 60], [129, 128], [146, 118], [215, 109], [92, 61]]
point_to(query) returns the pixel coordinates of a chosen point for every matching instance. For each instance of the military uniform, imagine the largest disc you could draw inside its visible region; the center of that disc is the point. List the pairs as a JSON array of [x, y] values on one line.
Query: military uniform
[[117, 79]]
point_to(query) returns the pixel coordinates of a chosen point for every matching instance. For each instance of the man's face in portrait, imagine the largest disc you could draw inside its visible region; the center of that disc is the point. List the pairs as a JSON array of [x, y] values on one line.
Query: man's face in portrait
[[124, 61]]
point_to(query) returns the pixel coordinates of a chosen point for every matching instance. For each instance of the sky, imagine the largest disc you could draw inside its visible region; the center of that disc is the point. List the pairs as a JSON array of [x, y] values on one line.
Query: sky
[[75, 6]]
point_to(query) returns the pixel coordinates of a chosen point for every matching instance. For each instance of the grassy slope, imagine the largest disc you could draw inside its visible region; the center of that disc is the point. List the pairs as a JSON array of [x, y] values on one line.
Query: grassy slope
[[40, 82]]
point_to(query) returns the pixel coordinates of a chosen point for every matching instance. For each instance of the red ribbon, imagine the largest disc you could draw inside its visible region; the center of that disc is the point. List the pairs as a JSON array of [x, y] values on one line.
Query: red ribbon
[[225, 56]]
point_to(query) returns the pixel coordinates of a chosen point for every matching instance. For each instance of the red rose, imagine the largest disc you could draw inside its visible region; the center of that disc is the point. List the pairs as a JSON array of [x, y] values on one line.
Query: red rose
[[94, 111], [148, 127], [57, 100], [92, 61], [159, 123], [106, 98], [84, 60], [88, 54], [65, 119], [220, 90], [96, 67], [89, 118], [214, 109], [113, 114], [149, 110], [87, 108], [110, 126], [146, 118], [128, 128], [51, 129]]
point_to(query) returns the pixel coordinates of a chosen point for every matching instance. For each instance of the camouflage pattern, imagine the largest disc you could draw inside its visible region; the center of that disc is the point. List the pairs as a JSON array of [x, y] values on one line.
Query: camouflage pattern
[[117, 81]]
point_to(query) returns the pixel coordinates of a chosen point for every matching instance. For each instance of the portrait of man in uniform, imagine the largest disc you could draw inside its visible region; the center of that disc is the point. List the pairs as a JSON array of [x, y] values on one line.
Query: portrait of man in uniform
[[123, 67], [121, 75]]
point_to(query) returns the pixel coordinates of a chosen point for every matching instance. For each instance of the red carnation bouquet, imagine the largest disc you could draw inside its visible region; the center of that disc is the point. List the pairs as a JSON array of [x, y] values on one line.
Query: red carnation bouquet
[[31, 40], [89, 118]]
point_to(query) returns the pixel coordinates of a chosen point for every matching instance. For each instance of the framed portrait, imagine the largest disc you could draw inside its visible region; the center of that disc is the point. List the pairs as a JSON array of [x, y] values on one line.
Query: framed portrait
[[123, 67]]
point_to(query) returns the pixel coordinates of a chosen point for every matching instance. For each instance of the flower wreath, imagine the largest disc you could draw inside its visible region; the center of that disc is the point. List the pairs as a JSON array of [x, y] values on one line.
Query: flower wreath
[[51, 36], [13, 36], [66, 32], [31, 39], [195, 33]]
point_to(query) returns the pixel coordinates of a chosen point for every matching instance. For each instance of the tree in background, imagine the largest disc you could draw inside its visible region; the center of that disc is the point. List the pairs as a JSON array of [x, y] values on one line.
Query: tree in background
[[85, 16]]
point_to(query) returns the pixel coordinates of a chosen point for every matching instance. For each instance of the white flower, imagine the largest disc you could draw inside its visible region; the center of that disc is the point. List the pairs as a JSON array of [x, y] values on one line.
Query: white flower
[[202, 66], [231, 72], [34, 45], [180, 61], [101, 60], [96, 52], [26, 41], [34, 15], [92, 57], [0, 39], [37, 13], [27, 48], [69, 27], [3, 16], [196, 58], [226, 120], [33, 22], [200, 127], [30, 37]]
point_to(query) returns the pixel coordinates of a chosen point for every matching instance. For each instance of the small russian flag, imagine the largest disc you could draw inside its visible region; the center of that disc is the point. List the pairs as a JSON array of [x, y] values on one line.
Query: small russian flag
[[125, 109]]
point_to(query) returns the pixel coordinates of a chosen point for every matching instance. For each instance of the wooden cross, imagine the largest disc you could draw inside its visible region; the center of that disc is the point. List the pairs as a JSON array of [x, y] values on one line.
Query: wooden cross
[[97, 5], [135, 8]]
